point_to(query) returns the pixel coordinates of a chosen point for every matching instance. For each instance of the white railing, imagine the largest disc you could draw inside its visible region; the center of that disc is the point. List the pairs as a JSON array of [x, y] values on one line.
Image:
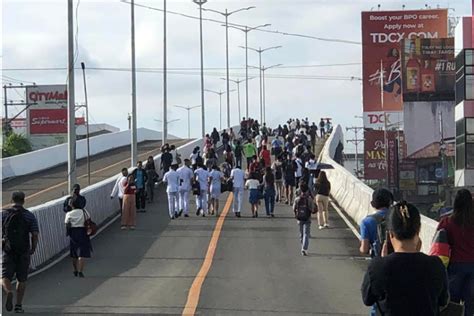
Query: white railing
[[354, 196]]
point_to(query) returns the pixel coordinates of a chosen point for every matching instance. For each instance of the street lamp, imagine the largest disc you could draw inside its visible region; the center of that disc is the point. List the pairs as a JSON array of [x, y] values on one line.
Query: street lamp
[[220, 93], [203, 119], [168, 122], [260, 51], [238, 82], [188, 108], [246, 30], [226, 14], [262, 70]]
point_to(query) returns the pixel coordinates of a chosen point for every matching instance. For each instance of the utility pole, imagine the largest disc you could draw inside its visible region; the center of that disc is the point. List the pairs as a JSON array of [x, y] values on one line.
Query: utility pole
[[203, 117], [165, 79], [71, 108], [356, 141], [5, 126], [87, 126], [134, 144]]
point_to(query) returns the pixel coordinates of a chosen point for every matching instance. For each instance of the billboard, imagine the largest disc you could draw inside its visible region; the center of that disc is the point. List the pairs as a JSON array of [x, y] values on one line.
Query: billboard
[[429, 69], [375, 164], [376, 120], [48, 121], [382, 33], [47, 96]]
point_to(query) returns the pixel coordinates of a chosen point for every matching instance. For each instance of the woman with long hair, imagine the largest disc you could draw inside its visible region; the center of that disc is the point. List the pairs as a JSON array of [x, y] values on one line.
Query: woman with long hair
[[253, 185], [459, 226], [405, 281], [269, 191], [323, 189]]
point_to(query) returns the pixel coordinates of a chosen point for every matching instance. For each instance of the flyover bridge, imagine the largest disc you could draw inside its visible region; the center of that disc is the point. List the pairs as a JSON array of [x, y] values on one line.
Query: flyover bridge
[[206, 266]]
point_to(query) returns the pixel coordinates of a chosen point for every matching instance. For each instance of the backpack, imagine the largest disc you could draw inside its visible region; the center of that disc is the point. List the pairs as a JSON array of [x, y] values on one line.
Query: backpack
[[199, 160], [381, 235], [16, 237], [303, 213]]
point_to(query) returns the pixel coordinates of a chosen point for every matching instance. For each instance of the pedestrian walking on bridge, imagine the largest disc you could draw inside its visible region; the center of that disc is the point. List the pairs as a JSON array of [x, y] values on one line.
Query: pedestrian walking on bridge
[[303, 208], [171, 178], [186, 176]]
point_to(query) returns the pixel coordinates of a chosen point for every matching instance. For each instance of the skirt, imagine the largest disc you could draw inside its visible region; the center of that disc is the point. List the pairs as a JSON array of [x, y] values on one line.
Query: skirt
[[79, 243], [254, 196], [290, 181], [215, 191]]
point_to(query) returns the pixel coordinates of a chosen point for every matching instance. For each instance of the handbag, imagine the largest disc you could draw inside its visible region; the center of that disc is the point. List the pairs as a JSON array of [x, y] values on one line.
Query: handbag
[[196, 188], [440, 246], [90, 226]]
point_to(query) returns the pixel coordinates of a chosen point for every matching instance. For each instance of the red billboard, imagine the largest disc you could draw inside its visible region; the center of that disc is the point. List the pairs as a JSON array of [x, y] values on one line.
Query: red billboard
[[375, 164], [382, 33], [48, 121]]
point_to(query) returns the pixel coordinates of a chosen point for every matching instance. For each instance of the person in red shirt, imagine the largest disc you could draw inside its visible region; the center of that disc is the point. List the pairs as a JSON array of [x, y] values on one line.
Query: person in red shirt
[[266, 157], [459, 226]]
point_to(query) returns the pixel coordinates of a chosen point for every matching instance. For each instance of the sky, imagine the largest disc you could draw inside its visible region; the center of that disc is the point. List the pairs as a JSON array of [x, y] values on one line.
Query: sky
[[34, 35]]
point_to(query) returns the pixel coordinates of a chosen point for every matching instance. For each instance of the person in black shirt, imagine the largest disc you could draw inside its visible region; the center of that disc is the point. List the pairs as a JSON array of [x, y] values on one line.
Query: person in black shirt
[[405, 282], [76, 192], [166, 160]]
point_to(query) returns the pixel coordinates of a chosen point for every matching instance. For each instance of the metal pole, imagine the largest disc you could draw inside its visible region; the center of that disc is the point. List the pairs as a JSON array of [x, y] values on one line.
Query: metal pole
[[261, 100], [71, 126], [264, 105], [220, 110], [165, 87], [134, 144], [238, 95], [227, 65], [357, 152], [246, 75], [203, 118], [189, 125], [87, 125], [5, 126]]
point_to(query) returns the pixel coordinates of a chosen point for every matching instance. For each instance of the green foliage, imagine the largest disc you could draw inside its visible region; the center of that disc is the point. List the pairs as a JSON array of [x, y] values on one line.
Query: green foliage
[[15, 144]]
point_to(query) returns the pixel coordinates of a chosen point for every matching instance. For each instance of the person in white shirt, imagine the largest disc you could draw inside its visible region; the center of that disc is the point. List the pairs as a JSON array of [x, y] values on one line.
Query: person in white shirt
[[215, 178], [118, 187], [186, 176], [238, 179], [299, 170], [171, 178], [312, 166], [253, 185], [202, 177], [258, 142], [80, 244], [176, 156]]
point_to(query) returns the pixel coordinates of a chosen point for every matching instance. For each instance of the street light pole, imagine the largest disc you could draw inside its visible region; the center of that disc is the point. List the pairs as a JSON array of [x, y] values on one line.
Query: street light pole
[[188, 109], [238, 82], [87, 125], [219, 93], [165, 83], [262, 71], [203, 118], [226, 14], [71, 123], [134, 145]]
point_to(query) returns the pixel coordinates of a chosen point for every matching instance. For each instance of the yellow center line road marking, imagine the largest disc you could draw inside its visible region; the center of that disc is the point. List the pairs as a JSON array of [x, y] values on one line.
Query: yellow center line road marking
[[195, 290], [83, 176]]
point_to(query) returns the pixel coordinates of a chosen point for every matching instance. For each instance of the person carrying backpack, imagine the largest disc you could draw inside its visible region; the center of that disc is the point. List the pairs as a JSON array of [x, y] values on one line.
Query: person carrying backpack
[[303, 208], [19, 241]]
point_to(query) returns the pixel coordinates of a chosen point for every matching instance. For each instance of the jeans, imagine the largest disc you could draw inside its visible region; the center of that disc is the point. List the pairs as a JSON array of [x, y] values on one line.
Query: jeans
[[305, 231], [237, 202], [140, 199], [238, 161], [172, 198], [461, 282], [269, 200]]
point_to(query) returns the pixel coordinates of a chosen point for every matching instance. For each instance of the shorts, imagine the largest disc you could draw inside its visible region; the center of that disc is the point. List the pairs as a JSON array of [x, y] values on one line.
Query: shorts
[[290, 182], [15, 265]]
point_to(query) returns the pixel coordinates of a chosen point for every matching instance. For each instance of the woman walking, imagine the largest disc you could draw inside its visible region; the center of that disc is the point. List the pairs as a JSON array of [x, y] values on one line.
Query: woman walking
[[215, 179], [152, 177], [459, 227], [323, 189], [254, 197], [129, 212], [269, 191], [277, 168], [289, 168], [80, 246]]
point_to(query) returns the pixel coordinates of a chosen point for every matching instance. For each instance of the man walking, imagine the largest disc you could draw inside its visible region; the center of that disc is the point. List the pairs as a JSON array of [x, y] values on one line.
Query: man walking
[[19, 239], [249, 151], [118, 187], [321, 127], [303, 208], [141, 178], [202, 177], [76, 191], [186, 176], [238, 179], [171, 178]]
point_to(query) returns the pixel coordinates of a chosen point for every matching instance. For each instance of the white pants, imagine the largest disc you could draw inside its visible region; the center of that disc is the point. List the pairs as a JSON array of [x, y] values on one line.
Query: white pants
[[201, 201], [237, 202], [172, 200], [184, 201]]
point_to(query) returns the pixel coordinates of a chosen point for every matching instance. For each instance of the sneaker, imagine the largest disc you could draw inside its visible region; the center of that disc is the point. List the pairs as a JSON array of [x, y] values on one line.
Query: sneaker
[[81, 275], [132, 227], [326, 225], [123, 227], [176, 215], [172, 217], [304, 252], [238, 215], [321, 227], [9, 302], [19, 309]]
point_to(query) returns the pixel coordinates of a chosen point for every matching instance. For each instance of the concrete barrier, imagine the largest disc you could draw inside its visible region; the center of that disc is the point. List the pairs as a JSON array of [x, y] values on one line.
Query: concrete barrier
[[46, 158], [52, 238], [354, 196]]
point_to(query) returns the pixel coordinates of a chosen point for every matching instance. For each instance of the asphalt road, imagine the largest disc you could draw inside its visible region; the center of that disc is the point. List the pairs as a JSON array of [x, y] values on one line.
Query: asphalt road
[[50, 184], [257, 269]]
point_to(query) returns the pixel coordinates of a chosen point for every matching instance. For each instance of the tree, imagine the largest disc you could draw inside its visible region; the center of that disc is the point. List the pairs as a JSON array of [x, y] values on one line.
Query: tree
[[15, 144]]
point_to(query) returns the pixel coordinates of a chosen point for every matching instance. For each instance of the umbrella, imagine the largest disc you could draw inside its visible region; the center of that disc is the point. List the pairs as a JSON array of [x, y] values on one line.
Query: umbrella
[[323, 166]]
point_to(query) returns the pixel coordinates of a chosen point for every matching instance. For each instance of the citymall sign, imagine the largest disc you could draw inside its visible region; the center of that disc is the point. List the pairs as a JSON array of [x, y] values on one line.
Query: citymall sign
[[376, 120], [382, 33], [47, 96]]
